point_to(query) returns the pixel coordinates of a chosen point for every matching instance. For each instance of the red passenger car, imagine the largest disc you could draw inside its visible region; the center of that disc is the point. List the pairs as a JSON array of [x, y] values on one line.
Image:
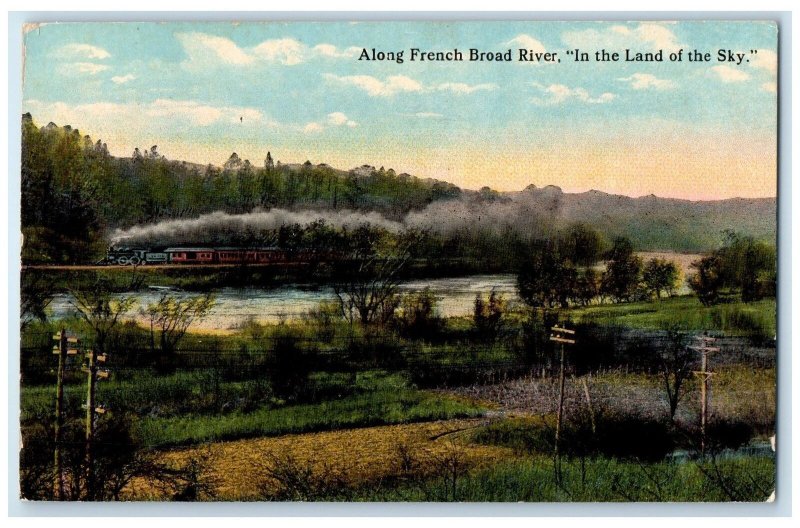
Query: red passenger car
[[190, 255]]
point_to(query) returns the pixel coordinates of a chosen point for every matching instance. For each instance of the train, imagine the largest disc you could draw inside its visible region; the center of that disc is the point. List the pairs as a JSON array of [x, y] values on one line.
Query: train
[[132, 256]]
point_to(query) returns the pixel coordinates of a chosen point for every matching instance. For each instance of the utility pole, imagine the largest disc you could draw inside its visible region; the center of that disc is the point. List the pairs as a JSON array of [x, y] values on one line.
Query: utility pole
[[94, 374], [562, 336], [704, 348], [63, 350]]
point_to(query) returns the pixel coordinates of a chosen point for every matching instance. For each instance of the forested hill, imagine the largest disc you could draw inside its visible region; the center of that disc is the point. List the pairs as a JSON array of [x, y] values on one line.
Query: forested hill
[[662, 223], [74, 194]]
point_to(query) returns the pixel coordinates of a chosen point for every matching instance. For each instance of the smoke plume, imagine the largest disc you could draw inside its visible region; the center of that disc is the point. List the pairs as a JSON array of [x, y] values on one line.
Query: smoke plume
[[526, 214], [219, 228]]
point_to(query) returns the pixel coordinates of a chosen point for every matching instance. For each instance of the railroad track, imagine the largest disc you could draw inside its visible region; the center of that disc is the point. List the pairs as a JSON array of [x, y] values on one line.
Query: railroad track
[[154, 267]]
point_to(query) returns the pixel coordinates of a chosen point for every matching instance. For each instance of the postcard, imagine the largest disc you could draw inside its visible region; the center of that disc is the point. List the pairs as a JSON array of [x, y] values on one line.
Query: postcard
[[399, 261]]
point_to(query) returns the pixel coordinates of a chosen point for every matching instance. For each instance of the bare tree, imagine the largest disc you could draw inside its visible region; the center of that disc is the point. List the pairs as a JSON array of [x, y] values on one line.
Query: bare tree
[[36, 294], [451, 464], [369, 274], [171, 316], [284, 477], [102, 305], [677, 361], [195, 480]]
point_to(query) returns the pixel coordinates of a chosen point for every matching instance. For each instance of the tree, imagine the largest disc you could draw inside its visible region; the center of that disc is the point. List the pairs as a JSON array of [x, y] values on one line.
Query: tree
[[707, 281], [417, 317], [36, 294], [102, 305], [488, 314], [587, 287], [660, 275], [368, 275], [623, 272], [60, 202], [170, 318], [743, 264], [119, 459], [581, 245], [748, 265], [289, 364], [234, 162], [544, 279], [677, 362]]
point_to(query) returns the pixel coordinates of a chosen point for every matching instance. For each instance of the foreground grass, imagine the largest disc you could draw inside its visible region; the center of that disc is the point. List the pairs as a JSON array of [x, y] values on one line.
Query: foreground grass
[[686, 313], [439, 461], [599, 480], [384, 406]]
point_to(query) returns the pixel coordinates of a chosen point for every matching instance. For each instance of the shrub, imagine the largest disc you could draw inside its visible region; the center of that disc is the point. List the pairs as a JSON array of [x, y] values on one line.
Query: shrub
[[488, 314], [417, 316]]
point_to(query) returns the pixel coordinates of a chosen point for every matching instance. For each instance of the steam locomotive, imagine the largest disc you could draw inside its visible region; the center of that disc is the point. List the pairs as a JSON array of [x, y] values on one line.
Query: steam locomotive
[[207, 255]]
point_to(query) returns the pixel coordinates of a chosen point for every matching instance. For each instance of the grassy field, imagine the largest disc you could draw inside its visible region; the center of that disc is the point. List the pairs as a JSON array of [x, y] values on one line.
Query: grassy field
[[685, 313], [350, 457], [381, 407], [599, 480], [440, 461], [195, 407], [454, 415]]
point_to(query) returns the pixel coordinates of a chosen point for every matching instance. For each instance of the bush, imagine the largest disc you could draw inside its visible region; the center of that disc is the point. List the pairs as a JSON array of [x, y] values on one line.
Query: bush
[[417, 317], [289, 364], [488, 315]]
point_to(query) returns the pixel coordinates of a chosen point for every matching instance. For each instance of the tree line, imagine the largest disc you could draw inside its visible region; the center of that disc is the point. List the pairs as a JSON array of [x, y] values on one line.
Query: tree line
[[743, 267], [563, 271], [74, 192]]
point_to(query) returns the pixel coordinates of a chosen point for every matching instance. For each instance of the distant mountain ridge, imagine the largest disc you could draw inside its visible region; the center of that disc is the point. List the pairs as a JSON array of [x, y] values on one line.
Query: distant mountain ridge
[[662, 223]]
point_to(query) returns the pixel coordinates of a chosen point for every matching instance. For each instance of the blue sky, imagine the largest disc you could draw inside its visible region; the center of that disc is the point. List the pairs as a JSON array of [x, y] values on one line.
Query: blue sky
[[203, 90]]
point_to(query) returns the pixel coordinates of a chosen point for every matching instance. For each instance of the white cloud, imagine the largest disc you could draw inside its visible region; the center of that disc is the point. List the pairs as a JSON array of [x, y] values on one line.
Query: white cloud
[[89, 68], [644, 81], [202, 114], [122, 79], [463, 88], [771, 87], [428, 115], [334, 119], [619, 37], [329, 50], [401, 84], [339, 119], [377, 88], [86, 51], [658, 35], [728, 74], [766, 60], [159, 114], [559, 93], [286, 51], [204, 51], [312, 128], [527, 42]]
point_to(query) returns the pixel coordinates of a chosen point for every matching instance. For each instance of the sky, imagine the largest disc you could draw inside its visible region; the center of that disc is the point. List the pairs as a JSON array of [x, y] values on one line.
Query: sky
[[200, 91]]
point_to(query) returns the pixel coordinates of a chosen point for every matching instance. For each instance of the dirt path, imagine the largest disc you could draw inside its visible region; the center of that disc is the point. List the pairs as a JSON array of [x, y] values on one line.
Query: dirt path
[[356, 456]]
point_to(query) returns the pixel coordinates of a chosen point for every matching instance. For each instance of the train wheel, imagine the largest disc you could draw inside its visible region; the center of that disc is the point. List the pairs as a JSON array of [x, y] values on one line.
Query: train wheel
[[134, 261], [122, 260]]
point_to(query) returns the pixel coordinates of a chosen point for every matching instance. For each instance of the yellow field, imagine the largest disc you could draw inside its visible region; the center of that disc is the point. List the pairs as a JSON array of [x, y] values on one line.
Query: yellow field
[[355, 456]]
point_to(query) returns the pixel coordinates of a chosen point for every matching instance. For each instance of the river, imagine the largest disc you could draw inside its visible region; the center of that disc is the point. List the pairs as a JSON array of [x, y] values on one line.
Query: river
[[455, 296], [235, 306]]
